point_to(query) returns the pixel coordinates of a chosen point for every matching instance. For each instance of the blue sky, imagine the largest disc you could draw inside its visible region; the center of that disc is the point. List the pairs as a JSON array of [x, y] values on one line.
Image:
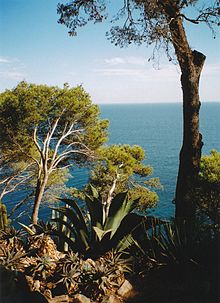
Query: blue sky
[[35, 48]]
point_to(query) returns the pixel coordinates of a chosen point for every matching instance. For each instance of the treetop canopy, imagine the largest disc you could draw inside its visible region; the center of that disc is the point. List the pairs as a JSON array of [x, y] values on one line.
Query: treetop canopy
[[30, 107]]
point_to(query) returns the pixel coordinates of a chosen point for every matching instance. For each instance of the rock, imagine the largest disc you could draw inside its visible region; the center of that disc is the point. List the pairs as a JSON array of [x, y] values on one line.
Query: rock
[[126, 290], [111, 299], [36, 285], [81, 299], [29, 282]]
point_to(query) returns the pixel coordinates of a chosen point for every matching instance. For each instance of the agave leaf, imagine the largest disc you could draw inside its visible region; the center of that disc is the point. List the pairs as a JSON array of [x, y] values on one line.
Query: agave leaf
[[100, 232], [119, 209], [81, 233], [126, 242], [93, 192], [95, 210], [117, 203], [66, 224], [27, 228], [74, 205], [73, 218], [70, 241]]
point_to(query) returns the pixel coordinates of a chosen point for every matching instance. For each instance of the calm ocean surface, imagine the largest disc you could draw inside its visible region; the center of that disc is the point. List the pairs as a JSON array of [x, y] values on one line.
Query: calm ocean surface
[[157, 128]]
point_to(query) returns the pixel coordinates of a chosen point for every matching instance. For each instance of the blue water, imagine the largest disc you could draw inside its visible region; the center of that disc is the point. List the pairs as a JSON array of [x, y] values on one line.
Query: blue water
[[157, 128]]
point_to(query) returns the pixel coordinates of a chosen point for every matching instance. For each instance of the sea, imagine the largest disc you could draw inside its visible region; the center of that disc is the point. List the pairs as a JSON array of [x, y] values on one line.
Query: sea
[[157, 128]]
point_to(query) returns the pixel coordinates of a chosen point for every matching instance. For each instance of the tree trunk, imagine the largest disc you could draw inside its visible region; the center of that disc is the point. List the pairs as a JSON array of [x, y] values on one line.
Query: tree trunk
[[190, 154], [38, 197], [191, 64]]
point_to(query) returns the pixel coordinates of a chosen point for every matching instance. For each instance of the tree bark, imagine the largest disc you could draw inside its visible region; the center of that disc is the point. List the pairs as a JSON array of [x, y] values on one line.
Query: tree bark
[[191, 64], [38, 197], [190, 154]]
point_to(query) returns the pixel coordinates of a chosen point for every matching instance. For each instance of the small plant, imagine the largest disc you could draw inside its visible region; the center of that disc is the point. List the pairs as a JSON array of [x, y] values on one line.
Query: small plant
[[93, 278], [11, 258], [43, 268], [11, 239], [112, 268], [70, 269], [39, 241]]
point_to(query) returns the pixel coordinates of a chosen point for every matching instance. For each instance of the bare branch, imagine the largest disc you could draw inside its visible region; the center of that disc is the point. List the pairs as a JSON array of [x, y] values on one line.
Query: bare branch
[[6, 191], [5, 180], [51, 134], [65, 155], [62, 138], [61, 168], [107, 204], [36, 142], [14, 181]]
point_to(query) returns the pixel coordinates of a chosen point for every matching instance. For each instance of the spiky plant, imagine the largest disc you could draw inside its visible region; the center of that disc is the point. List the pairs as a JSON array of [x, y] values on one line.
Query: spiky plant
[[93, 278], [43, 268], [12, 258], [178, 242], [92, 233], [112, 267], [11, 239]]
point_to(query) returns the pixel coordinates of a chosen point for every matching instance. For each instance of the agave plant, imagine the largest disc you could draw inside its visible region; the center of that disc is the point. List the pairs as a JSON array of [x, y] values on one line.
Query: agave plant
[[113, 266], [39, 241], [43, 267], [11, 238], [177, 242], [71, 270], [92, 231]]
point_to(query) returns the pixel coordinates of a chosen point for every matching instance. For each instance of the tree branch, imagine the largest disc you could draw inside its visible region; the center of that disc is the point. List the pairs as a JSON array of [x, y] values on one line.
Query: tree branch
[[64, 155], [35, 140]]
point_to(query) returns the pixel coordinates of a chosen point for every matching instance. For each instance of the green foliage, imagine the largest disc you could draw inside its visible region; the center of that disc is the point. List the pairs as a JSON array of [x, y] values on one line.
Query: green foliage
[[50, 129], [94, 231], [138, 21], [4, 221], [207, 194], [122, 165], [210, 167], [30, 105]]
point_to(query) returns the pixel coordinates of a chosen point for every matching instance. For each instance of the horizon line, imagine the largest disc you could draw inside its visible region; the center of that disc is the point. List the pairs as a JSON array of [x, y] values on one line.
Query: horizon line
[[151, 102]]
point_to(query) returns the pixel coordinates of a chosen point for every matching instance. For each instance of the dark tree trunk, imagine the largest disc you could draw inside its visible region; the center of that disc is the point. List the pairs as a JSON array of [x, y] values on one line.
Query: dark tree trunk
[[191, 64], [38, 198], [190, 154]]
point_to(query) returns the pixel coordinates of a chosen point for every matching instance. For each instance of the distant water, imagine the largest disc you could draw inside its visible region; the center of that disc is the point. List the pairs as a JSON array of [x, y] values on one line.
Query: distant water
[[157, 128]]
